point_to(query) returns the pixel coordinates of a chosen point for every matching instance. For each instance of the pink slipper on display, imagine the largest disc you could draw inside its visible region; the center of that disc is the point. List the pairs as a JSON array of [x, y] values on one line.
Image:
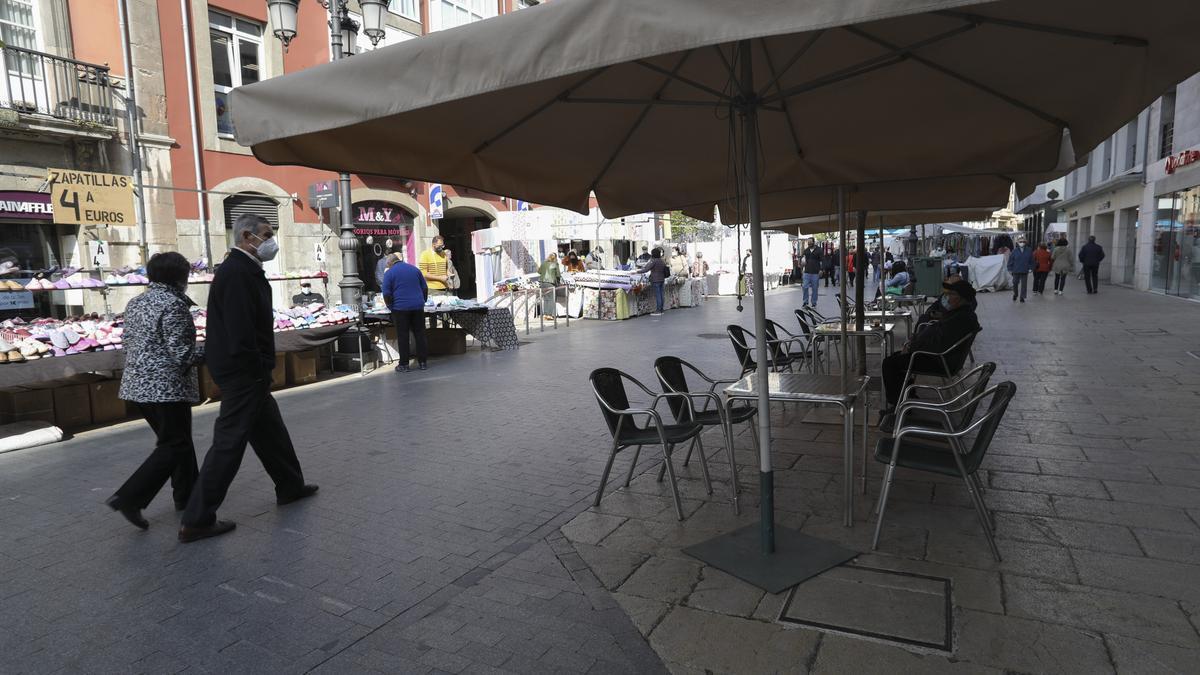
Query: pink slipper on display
[[59, 340], [72, 351], [71, 335], [75, 282], [61, 285], [34, 285]]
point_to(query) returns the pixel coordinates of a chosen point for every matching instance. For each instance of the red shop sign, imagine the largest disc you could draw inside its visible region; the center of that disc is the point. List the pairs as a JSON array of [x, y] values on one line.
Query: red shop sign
[[1182, 159]]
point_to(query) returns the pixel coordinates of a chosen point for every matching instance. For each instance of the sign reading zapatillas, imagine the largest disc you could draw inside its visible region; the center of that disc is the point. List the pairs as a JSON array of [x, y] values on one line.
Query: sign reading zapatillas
[[86, 198]]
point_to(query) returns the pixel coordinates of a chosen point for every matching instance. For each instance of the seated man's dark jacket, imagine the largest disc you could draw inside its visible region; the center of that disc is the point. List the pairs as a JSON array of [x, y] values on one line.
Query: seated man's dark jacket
[[241, 336], [940, 335]]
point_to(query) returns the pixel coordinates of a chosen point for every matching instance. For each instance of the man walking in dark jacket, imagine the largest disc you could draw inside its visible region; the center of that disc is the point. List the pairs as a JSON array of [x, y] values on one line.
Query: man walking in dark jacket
[[1090, 255], [1020, 264], [240, 351]]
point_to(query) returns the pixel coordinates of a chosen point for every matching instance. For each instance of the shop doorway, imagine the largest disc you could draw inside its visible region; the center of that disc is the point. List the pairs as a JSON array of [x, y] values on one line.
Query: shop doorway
[[1177, 244], [456, 228], [1130, 223], [381, 228], [1102, 229]]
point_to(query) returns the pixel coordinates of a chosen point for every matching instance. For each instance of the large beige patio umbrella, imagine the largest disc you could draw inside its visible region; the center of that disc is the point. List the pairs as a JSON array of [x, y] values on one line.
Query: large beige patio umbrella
[[663, 104]]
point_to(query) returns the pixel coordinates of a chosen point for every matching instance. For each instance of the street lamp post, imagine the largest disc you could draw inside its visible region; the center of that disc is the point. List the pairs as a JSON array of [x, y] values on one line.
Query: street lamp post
[[342, 31]]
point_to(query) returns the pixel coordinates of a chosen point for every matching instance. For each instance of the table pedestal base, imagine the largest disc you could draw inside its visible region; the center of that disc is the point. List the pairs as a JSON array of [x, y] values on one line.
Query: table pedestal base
[[796, 558]]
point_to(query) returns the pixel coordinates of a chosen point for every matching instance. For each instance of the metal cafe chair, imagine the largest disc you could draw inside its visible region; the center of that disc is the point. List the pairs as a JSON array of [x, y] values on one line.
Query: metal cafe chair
[[609, 386], [917, 447], [743, 341], [950, 360], [965, 386], [672, 374], [784, 352]]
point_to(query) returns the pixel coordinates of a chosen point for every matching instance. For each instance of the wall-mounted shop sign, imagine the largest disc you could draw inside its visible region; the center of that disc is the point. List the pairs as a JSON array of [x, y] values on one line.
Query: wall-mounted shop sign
[[1182, 159], [26, 205], [86, 198], [375, 218], [323, 195], [436, 196], [1104, 206]]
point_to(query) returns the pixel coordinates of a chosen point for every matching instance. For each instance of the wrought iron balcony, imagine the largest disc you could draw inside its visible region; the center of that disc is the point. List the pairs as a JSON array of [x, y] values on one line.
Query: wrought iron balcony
[[36, 83]]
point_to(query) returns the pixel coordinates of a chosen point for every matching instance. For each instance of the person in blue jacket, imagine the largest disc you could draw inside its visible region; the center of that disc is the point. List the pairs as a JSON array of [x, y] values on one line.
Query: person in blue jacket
[[1020, 264], [405, 292]]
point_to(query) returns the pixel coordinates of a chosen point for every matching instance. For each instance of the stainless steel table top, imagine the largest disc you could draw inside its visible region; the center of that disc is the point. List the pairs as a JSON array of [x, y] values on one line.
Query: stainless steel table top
[[801, 387], [836, 328]]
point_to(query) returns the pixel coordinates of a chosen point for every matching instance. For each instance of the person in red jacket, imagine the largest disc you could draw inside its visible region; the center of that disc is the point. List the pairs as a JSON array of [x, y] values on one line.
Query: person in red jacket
[[850, 267], [1042, 262]]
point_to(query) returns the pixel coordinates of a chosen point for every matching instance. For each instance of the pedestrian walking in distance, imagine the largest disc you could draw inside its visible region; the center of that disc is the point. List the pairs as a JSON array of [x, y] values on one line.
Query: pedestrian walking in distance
[[405, 293], [240, 355], [811, 261], [1020, 264], [1090, 256], [1062, 263], [160, 381], [1042, 262]]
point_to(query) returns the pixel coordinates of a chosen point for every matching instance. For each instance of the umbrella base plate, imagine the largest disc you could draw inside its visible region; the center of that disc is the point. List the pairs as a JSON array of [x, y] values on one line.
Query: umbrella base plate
[[797, 557]]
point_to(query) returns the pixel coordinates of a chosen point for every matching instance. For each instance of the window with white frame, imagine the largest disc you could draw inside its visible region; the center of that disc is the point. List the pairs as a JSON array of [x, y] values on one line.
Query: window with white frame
[[445, 14], [408, 9], [236, 60], [18, 28], [526, 4], [362, 43]]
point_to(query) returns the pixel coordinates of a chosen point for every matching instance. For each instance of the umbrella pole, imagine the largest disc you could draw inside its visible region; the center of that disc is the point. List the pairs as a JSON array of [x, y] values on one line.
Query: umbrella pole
[[785, 557], [860, 343], [845, 316], [766, 476]]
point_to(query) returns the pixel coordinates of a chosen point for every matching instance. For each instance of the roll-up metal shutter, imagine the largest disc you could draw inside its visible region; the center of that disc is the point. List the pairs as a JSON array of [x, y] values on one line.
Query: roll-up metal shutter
[[259, 205]]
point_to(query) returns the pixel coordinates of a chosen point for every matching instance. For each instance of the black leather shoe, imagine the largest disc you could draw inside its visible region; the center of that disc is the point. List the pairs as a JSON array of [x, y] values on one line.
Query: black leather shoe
[[134, 516], [423, 366], [189, 534], [306, 491]]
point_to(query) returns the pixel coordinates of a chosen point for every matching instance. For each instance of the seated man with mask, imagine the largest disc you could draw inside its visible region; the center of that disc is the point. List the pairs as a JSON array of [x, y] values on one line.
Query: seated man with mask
[[306, 296], [939, 328]]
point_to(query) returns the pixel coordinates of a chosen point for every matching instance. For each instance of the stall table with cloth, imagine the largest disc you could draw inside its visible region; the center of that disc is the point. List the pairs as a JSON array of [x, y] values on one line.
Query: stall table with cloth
[[491, 326], [613, 295], [60, 367]]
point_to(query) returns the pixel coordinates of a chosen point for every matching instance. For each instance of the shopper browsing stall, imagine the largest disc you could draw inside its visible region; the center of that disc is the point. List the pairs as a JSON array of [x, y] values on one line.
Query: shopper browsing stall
[[658, 272], [550, 274], [160, 381], [405, 292], [679, 265], [574, 264]]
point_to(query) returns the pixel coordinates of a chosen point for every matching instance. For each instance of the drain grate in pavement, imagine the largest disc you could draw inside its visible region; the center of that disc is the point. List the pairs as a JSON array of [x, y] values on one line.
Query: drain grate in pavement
[[712, 336], [1146, 331], [910, 609]]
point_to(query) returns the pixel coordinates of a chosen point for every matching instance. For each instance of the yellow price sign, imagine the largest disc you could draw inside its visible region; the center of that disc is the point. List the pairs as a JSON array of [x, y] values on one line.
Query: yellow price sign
[[88, 198]]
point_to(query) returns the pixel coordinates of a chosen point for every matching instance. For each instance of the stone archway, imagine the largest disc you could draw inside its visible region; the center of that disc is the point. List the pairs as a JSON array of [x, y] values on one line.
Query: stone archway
[[463, 216]]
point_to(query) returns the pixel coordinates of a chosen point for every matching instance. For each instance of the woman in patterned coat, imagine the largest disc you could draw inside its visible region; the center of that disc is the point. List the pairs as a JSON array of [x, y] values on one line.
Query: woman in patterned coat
[[159, 379]]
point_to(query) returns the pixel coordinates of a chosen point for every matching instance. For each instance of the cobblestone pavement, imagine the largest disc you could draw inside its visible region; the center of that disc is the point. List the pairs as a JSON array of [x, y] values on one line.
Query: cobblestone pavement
[[435, 542], [1093, 481]]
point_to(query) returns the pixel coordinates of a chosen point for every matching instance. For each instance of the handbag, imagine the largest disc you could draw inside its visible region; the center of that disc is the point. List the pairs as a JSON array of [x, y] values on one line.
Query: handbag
[[453, 282]]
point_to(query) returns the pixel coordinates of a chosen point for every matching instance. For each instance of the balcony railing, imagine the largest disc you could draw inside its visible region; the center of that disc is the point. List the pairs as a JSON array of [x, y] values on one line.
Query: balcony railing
[[43, 84]]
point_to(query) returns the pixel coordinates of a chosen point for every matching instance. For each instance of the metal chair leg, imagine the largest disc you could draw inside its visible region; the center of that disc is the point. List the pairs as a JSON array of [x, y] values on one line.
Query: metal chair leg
[[671, 474], [636, 453], [604, 476], [883, 495], [688, 457], [703, 464], [727, 429], [984, 520]]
